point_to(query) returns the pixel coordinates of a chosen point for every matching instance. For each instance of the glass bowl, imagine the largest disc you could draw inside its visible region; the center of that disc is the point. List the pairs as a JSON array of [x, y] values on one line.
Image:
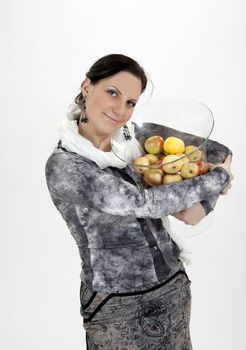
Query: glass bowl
[[184, 119]]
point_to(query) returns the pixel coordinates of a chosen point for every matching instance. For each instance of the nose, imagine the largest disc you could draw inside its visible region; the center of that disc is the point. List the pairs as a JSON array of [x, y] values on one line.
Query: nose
[[119, 108]]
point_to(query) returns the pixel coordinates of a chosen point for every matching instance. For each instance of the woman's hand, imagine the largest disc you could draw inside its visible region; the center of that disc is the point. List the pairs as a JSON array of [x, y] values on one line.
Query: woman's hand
[[227, 166], [192, 215]]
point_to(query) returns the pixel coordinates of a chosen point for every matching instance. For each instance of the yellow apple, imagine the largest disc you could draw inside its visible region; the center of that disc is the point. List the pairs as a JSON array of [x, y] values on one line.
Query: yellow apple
[[193, 153], [141, 164], [183, 158], [173, 145], [151, 157], [153, 177], [189, 170], [154, 144], [171, 178], [172, 164]]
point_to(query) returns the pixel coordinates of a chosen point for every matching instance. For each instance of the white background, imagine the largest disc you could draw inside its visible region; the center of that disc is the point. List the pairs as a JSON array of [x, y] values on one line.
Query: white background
[[189, 48]]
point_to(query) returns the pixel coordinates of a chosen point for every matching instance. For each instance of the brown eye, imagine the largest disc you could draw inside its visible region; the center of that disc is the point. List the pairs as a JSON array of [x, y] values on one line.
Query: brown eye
[[112, 93], [131, 104]]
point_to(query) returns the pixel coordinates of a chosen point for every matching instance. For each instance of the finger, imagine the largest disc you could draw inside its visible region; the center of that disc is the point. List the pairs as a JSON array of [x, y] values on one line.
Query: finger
[[210, 166], [224, 192], [228, 159], [226, 189]]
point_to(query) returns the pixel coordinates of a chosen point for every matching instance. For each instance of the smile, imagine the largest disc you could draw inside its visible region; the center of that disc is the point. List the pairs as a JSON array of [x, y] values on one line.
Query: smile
[[112, 119]]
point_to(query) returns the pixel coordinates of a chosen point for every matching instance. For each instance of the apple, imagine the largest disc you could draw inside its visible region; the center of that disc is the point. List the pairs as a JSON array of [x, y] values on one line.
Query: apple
[[193, 153], [203, 167], [153, 177], [154, 144], [172, 164], [189, 170], [159, 164], [141, 164], [151, 157], [173, 145], [171, 178], [183, 157]]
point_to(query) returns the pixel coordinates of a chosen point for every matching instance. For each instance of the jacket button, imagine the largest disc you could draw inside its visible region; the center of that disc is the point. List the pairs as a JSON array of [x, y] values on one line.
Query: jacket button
[[146, 227], [155, 247]]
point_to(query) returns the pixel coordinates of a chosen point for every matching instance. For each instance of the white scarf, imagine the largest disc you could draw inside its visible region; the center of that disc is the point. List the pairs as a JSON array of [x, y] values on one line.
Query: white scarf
[[123, 151]]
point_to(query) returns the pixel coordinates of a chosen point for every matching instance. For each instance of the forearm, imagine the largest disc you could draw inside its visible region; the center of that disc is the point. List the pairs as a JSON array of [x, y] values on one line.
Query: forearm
[[71, 181]]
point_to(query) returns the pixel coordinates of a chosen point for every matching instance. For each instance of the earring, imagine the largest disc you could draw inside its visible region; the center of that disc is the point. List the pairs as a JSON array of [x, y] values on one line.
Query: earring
[[126, 133], [83, 118]]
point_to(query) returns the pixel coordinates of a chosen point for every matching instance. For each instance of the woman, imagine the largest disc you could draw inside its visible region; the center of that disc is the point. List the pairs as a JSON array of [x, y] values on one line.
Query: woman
[[135, 293]]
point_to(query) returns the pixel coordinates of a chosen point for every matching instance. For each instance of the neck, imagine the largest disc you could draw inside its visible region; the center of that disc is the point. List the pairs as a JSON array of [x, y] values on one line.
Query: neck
[[100, 141]]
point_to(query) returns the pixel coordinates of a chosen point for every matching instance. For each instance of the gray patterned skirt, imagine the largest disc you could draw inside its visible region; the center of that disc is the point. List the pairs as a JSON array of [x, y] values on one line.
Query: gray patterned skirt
[[157, 319]]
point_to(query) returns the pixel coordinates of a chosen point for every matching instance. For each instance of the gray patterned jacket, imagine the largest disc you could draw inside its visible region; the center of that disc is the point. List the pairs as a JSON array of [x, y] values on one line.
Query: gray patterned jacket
[[115, 219]]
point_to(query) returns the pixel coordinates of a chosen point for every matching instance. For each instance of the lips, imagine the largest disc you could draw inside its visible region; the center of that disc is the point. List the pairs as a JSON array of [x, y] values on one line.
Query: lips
[[113, 119]]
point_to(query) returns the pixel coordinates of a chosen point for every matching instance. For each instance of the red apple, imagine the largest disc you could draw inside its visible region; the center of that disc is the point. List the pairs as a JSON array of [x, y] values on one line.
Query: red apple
[[203, 167], [153, 177], [154, 144], [159, 164]]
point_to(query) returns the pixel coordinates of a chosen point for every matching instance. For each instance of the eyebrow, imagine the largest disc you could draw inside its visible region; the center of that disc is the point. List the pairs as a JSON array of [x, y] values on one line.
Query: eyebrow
[[132, 99]]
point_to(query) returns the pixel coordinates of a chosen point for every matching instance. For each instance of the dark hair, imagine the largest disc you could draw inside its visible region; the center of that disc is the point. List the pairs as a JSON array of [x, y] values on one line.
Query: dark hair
[[112, 64]]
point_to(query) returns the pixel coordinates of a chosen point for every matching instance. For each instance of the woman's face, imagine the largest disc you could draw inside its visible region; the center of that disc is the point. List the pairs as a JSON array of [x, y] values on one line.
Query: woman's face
[[110, 102]]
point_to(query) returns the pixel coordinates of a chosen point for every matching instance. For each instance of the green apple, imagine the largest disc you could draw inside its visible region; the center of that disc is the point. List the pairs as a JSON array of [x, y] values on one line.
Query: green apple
[[152, 158], [193, 153], [141, 164], [183, 158], [172, 164], [189, 170], [171, 178]]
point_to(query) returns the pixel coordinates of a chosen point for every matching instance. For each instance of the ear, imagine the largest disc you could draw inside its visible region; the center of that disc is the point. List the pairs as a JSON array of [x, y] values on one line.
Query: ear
[[85, 87]]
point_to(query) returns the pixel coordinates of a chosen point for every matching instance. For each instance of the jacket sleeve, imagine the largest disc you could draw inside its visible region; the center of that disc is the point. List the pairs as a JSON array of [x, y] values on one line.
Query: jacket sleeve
[[71, 180], [216, 153]]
